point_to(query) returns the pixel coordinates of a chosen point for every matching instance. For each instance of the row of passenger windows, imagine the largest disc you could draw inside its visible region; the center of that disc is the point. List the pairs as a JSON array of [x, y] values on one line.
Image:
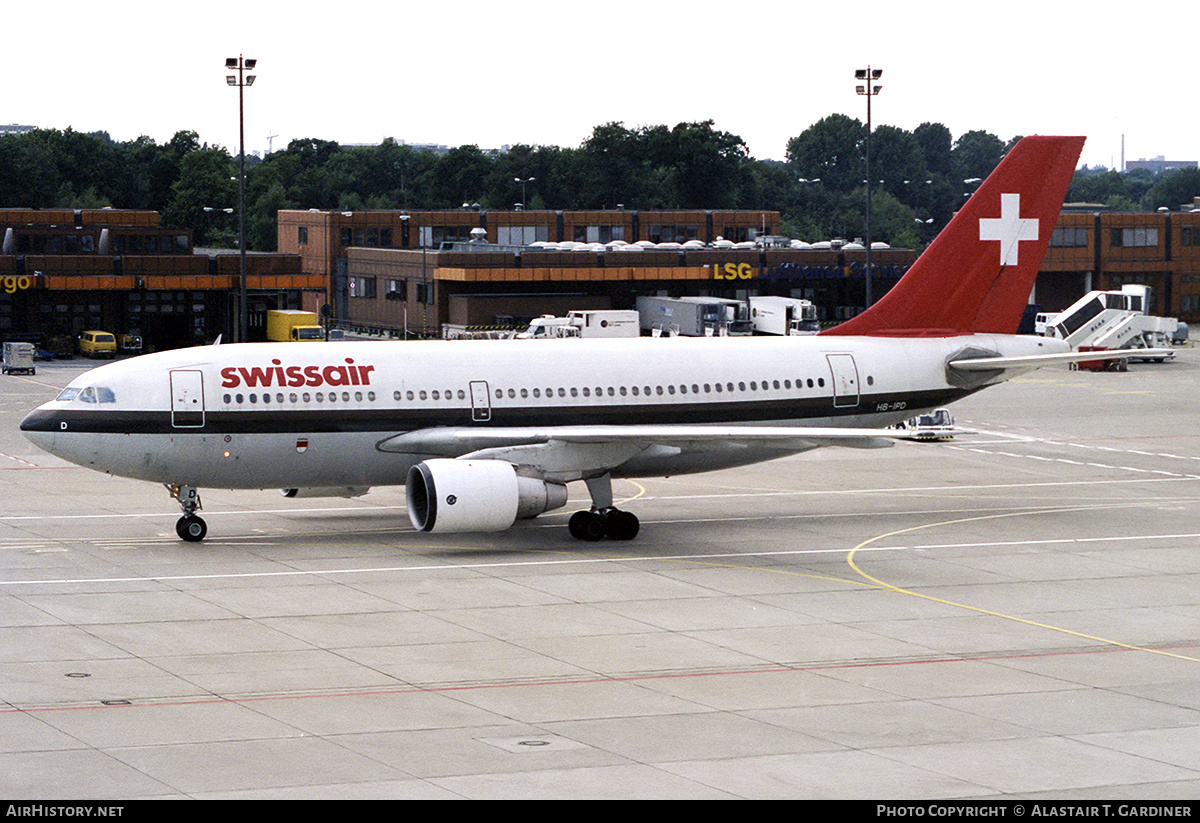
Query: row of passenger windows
[[622, 391], [670, 389], [266, 398]]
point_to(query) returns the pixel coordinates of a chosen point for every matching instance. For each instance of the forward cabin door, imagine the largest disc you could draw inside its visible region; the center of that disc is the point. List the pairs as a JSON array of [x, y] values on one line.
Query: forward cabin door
[[187, 399]]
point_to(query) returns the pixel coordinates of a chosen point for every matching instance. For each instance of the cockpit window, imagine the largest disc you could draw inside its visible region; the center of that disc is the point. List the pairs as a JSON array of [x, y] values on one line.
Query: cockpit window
[[91, 394]]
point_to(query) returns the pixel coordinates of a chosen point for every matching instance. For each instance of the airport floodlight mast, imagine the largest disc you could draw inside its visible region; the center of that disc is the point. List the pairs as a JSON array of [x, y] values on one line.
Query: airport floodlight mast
[[241, 80], [869, 89]]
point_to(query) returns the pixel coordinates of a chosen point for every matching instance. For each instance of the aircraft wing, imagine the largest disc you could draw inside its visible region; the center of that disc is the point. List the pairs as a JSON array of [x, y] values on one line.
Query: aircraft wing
[[574, 452], [458, 441]]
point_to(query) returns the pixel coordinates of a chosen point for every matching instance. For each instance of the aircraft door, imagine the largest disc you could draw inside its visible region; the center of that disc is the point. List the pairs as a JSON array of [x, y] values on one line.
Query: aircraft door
[[845, 380], [187, 398], [481, 404]]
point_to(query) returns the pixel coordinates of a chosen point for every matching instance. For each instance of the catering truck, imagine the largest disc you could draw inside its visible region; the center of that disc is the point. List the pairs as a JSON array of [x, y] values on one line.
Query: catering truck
[[783, 315], [596, 323]]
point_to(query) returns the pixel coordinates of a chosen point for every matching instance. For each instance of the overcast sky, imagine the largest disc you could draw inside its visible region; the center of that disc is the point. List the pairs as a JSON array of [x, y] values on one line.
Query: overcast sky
[[545, 73]]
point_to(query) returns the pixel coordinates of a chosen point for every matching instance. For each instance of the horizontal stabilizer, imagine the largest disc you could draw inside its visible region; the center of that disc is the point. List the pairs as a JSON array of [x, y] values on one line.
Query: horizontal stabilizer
[[1036, 361]]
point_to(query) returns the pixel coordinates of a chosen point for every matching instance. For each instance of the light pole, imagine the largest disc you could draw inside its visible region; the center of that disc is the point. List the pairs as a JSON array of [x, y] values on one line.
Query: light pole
[[523, 182], [869, 89], [241, 80]]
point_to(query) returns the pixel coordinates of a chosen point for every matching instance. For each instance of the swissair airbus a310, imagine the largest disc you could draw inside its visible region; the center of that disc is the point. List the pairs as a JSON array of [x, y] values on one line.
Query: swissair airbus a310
[[484, 433]]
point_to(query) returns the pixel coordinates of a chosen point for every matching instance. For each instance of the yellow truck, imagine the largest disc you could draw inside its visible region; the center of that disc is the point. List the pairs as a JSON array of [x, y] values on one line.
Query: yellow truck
[[295, 325]]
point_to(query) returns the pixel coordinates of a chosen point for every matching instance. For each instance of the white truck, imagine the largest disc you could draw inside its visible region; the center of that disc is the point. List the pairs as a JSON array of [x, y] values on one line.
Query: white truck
[[593, 324], [783, 315], [693, 316]]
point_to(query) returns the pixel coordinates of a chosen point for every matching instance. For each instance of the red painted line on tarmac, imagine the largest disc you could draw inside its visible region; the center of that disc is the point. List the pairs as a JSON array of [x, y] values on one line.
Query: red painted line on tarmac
[[587, 681]]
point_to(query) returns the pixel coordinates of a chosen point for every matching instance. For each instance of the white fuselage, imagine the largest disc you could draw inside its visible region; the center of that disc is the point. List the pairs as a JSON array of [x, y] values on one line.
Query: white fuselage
[[319, 415]]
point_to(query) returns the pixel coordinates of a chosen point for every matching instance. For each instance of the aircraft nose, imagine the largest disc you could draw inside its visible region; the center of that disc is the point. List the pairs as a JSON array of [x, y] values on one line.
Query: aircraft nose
[[40, 420], [40, 427]]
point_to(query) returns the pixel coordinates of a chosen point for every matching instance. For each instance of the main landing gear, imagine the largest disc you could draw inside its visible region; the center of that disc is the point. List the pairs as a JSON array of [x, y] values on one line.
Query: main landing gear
[[603, 520], [190, 527]]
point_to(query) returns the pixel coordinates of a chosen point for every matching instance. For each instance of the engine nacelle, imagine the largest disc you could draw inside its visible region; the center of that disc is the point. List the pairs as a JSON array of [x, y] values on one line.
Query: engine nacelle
[[446, 495], [327, 491]]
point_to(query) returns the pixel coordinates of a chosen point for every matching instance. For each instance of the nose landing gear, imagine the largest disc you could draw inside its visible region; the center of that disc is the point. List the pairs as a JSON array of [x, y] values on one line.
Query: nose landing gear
[[190, 527]]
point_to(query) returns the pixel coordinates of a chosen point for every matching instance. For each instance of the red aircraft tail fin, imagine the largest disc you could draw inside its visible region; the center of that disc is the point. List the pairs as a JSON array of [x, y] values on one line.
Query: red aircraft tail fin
[[977, 274]]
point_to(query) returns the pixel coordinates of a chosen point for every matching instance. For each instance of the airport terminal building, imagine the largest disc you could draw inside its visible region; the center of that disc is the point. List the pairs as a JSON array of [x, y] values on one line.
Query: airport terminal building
[[398, 272], [410, 273], [65, 271], [395, 271]]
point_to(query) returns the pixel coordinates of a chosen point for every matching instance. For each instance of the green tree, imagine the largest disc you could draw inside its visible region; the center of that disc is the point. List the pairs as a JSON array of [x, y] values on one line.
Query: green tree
[[460, 177], [976, 154], [1170, 191], [936, 145], [830, 151], [204, 182]]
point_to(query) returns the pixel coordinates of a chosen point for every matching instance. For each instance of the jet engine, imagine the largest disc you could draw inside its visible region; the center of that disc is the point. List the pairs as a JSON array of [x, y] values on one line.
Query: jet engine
[[446, 495]]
